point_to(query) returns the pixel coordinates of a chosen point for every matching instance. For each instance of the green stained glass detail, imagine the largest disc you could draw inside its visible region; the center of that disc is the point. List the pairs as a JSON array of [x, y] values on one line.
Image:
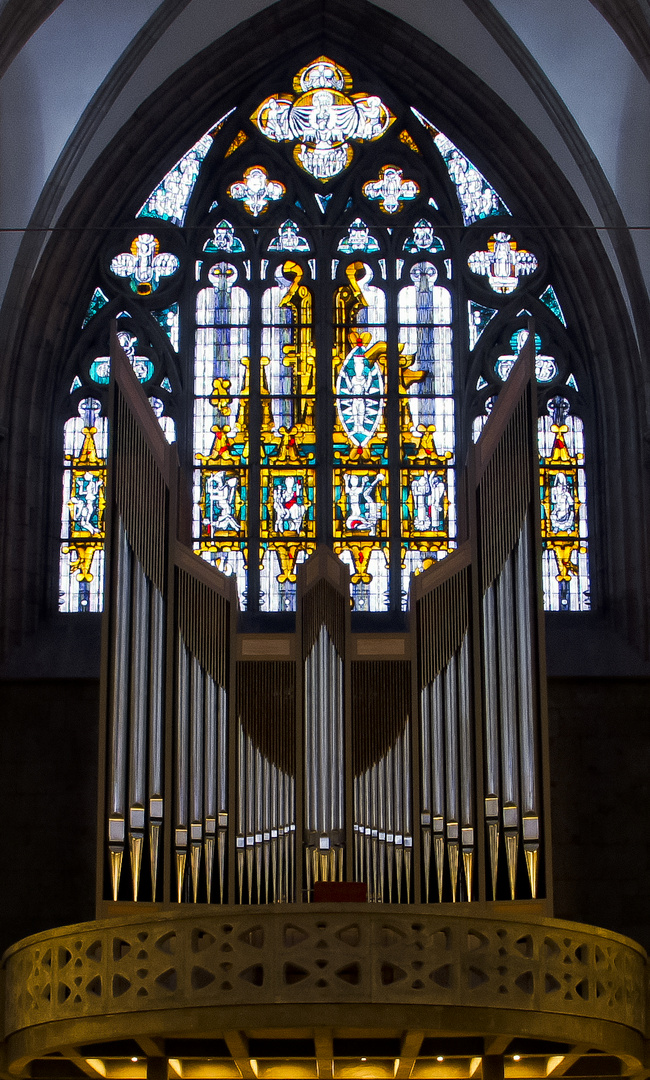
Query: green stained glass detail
[[169, 319], [76, 383], [476, 196], [479, 317], [98, 300], [166, 385], [170, 199], [549, 297]]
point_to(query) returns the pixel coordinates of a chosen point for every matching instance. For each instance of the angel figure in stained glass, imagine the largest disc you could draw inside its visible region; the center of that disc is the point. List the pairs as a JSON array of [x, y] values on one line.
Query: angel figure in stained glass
[[323, 118], [364, 510], [503, 263], [428, 492], [219, 503]]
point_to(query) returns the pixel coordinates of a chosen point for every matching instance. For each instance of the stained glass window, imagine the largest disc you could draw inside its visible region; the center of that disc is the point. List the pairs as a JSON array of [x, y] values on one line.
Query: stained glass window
[[322, 324]]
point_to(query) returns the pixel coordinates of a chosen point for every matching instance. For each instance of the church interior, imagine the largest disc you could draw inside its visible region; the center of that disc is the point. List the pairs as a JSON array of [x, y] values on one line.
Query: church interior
[[324, 682]]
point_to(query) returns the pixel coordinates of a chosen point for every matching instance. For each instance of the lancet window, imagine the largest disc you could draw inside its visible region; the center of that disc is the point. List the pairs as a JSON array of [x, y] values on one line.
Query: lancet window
[[322, 299]]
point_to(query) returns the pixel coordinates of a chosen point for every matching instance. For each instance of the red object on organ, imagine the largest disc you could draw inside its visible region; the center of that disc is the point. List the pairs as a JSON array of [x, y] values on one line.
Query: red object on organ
[[340, 892]]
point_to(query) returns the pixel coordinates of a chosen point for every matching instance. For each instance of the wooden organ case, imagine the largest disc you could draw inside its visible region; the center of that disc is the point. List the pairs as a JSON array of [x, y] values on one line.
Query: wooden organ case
[[246, 769]]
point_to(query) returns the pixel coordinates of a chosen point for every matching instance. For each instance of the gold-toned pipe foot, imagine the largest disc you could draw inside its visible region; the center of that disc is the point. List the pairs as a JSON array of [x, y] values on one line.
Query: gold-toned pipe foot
[[439, 854], [181, 859], [208, 852], [493, 847], [453, 857], [512, 849], [468, 868], [195, 861], [531, 851], [116, 854], [136, 844], [154, 845]]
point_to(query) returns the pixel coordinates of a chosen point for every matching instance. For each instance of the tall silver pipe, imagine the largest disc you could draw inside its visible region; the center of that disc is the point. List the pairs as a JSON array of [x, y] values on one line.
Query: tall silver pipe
[[465, 727], [119, 713], [529, 798], [182, 731], [309, 751], [491, 695], [182, 763], [223, 751], [196, 744], [437, 748], [507, 686], [139, 685], [210, 753], [425, 757], [156, 697], [451, 740]]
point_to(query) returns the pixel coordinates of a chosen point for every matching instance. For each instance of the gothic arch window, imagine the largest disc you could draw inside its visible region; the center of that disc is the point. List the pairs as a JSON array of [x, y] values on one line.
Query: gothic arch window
[[322, 299]]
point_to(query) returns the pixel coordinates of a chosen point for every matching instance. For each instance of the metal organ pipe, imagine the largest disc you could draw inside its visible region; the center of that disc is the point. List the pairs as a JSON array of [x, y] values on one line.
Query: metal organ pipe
[[508, 716], [527, 740], [155, 765], [181, 764], [138, 720], [490, 667], [117, 761]]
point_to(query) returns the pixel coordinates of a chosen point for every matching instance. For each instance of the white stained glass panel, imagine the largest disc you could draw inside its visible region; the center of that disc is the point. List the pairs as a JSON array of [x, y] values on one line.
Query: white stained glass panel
[[275, 596], [218, 355], [441, 367], [438, 411], [70, 598]]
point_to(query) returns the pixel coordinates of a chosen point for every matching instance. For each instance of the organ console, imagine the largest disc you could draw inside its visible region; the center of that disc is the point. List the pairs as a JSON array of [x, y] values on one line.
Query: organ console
[[243, 769]]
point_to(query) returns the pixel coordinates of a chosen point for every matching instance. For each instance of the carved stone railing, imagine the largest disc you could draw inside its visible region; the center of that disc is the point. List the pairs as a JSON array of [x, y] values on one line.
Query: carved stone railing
[[136, 971]]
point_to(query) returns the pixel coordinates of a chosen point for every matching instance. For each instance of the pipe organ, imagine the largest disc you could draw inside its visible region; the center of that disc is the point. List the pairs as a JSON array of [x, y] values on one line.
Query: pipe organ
[[245, 768]]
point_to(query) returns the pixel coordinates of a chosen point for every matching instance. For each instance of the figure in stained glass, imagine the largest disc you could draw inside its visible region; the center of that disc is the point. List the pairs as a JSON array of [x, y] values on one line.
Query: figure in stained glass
[[363, 506], [145, 264], [391, 190], [289, 239], [289, 505], [563, 497], [503, 263], [428, 490], [358, 238], [545, 366], [322, 118], [477, 198], [84, 485], [255, 190], [220, 490], [224, 239], [359, 388], [100, 369], [423, 238], [170, 199]]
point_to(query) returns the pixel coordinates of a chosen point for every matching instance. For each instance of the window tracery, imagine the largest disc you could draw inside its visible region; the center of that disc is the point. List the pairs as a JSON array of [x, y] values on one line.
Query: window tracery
[[307, 322]]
